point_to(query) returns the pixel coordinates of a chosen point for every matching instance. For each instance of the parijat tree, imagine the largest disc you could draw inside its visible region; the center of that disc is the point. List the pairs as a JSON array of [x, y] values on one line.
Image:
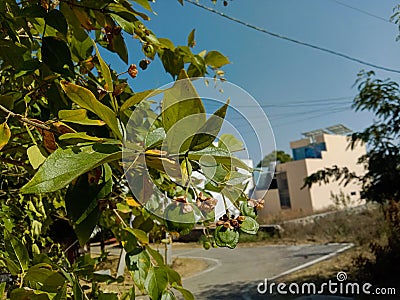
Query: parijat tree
[[64, 115]]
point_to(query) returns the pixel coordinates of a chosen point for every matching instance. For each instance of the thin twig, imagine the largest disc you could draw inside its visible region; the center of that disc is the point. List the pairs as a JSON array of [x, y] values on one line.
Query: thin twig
[[21, 118], [13, 162], [120, 218]]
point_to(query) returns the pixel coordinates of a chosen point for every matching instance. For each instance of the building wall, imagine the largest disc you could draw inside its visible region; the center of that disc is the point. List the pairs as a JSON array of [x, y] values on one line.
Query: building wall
[[272, 205], [296, 171], [338, 153], [318, 197]]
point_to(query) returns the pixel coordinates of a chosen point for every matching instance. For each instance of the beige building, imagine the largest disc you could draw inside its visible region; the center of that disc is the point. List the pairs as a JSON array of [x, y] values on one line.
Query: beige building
[[318, 150]]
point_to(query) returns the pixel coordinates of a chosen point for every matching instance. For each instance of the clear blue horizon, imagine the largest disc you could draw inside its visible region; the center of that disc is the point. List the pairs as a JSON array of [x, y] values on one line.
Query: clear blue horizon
[[284, 78]]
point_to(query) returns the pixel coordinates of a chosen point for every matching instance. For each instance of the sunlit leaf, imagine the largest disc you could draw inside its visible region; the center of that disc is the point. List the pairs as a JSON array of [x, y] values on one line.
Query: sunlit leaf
[[187, 295], [64, 165], [139, 234], [249, 225], [105, 70], [35, 156], [209, 131], [216, 59], [85, 99], [230, 142], [5, 134], [16, 251], [156, 282], [135, 99], [191, 42]]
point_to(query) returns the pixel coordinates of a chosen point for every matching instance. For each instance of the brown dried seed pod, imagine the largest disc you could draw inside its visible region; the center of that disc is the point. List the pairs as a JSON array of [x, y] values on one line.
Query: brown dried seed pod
[[132, 70], [181, 199], [240, 218], [228, 225]]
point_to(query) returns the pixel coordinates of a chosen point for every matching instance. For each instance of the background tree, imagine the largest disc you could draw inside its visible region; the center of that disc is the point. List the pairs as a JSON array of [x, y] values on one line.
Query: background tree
[[382, 173], [278, 156], [64, 117]]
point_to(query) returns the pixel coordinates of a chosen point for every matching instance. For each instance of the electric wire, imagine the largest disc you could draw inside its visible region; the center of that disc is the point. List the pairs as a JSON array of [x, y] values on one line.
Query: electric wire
[[306, 44], [364, 12]]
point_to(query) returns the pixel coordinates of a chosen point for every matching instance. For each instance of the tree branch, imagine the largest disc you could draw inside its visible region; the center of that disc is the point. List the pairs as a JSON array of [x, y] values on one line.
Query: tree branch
[[21, 118]]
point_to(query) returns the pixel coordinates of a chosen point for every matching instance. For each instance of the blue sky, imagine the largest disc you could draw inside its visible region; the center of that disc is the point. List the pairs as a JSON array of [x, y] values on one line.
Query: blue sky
[[279, 73]]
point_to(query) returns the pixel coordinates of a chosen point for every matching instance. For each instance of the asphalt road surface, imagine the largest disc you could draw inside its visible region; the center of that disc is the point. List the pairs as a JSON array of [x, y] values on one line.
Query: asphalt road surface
[[235, 274]]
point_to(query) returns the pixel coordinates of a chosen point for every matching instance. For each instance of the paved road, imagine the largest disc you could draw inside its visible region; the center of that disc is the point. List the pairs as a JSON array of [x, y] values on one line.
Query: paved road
[[235, 274]]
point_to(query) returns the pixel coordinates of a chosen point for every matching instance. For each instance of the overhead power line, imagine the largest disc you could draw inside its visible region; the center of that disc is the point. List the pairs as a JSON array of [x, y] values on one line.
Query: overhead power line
[[364, 12], [323, 49]]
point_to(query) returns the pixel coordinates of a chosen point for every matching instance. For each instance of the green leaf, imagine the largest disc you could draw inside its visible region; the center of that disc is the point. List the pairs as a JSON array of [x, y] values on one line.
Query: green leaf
[[191, 42], [197, 68], [119, 46], [125, 25], [182, 103], [56, 19], [135, 99], [85, 99], [7, 101], [216, 59], [225, 237], [172, 62], [23, 294], [42, 277], [156, 282], [35, 156], [16, 251], [79, 136], [221, 156], [177, 220], [173, 276], [77, 290], [167, 43], [139, 234], [2, 289], [11, 266], [186, 171], [62, 293], [209, 131], [138, 264], [168, 295], [33, 11], [230, 143], [249, 225], [28, 67], [56, 54], [5, 134], [155, 138], [78, 116], [156, 255], [64, 165], [13, 53], [105, 70], [247, 210], [85, 213], [187, 295]]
